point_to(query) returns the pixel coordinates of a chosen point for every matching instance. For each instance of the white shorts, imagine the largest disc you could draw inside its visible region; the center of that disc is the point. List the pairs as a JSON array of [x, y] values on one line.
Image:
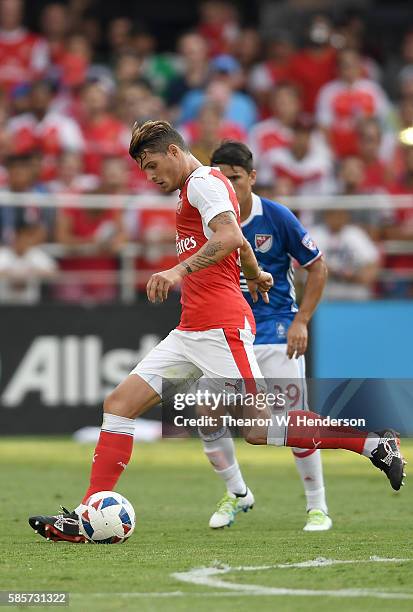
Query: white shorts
[[217, 354], [286, 375]]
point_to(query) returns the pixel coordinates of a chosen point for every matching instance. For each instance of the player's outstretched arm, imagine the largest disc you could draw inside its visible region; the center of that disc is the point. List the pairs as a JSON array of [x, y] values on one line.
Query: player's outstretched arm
[[226, 238], [297, 336], [257, 279]]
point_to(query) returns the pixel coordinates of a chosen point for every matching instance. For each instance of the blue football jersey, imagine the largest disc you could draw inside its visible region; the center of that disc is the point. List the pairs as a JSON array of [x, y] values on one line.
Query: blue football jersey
[[277, 238]]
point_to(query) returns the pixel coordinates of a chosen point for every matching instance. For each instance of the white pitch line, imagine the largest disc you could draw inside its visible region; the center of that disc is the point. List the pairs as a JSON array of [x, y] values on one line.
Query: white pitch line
[[207, 576], [319, 562]]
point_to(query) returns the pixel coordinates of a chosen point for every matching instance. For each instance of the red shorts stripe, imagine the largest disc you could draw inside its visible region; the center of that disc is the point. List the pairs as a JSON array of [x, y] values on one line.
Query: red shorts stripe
[[237, 348], [304, 453]]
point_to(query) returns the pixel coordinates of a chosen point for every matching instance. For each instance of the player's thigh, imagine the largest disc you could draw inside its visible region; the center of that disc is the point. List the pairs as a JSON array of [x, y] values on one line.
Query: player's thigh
[[145, 385], [230, 370], [283, 375], [223, 353], [167, 363]]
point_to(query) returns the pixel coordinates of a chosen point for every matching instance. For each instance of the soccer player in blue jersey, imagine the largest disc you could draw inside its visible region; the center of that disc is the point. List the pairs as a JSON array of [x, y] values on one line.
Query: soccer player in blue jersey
[[278, 238]]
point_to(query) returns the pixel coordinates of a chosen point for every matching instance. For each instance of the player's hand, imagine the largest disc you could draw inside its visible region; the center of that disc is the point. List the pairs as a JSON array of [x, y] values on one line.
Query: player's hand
[[262, 284], [160, 283], [297, 339]]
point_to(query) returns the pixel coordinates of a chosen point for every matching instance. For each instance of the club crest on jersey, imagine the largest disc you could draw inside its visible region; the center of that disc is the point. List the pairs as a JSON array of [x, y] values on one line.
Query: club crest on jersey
[[309, 243], [281, 331], [263, 242]]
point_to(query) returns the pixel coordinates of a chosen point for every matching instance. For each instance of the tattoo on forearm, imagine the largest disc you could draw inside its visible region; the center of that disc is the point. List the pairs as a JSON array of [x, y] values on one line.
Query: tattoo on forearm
[[212, 248], [206, 256]]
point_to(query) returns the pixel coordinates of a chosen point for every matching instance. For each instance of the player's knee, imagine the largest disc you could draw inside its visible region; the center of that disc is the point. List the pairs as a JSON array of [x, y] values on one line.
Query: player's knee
[[115, 404], [255, 437]]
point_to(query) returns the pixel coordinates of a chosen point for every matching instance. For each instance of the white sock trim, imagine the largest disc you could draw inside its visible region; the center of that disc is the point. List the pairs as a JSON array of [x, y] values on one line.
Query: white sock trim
[[371, 443], [316, 500], [233, 479], [118, 424]]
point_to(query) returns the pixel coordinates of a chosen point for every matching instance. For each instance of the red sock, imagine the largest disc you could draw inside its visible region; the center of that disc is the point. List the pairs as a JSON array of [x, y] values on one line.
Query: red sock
[[110, 458], [322, 436]]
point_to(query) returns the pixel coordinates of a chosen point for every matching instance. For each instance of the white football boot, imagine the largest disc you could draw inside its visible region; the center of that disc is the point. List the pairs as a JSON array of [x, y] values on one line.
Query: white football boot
[[317, 520], [228, 507]]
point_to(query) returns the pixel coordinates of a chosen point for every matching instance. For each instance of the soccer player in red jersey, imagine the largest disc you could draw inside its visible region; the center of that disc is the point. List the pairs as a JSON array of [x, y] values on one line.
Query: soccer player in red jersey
[[215, 335]]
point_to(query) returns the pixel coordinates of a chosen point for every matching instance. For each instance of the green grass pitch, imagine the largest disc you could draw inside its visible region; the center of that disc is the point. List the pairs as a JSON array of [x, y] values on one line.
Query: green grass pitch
[[174, 492]]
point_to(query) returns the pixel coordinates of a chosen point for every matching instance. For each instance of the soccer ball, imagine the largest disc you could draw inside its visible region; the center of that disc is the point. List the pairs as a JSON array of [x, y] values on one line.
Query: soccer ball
[[107, 518]]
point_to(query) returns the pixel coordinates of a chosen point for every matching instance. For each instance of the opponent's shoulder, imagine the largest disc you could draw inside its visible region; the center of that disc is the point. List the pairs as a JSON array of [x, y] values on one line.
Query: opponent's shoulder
[[277, 212]]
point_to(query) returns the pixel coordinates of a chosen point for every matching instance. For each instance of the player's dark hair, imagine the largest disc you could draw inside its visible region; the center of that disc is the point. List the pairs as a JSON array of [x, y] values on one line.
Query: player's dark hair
[[154, 136], [233, 153]]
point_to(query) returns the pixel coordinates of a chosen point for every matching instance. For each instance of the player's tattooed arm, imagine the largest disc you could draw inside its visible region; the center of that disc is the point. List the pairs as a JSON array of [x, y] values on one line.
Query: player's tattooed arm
[[226, 237]]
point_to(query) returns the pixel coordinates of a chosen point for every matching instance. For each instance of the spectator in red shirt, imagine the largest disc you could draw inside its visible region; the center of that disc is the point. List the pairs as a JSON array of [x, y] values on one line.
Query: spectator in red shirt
[[350, 176], [277, 130], [315, 65], [44, 130], [103, 133], [377, 173], [275, 69], [137, 102], [24, 56], [342, 103], [205, 134], [55, 24], [352, 181], [307, 165], [404, 182], [70, 176], [219, 25], [102, 232], [402, 229]]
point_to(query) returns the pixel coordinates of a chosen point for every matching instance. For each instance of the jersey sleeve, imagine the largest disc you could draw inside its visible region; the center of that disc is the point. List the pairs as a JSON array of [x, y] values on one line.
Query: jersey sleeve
[[298, 241], [210, 196]]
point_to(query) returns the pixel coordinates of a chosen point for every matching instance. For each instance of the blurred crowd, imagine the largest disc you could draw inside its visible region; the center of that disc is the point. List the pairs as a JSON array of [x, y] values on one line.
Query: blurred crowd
[[323, 114]]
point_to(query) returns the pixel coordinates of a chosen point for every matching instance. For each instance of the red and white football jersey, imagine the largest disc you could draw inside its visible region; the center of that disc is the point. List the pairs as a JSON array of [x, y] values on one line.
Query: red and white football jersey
[[310, 175], [24, 56], [107, 137], [340, 107], [52, 135], [269, 134], [211, 298]]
